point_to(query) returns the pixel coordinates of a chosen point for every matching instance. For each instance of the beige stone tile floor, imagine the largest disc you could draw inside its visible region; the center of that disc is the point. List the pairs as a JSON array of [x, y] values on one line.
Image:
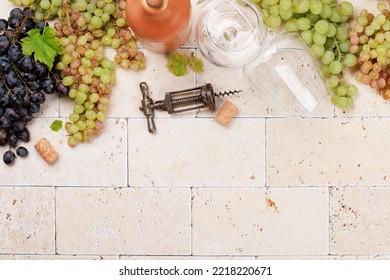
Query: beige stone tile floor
[[270, 186]]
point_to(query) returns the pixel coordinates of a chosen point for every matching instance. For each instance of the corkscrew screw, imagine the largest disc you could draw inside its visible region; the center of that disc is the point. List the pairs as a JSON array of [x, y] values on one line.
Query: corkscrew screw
[[202, 97]]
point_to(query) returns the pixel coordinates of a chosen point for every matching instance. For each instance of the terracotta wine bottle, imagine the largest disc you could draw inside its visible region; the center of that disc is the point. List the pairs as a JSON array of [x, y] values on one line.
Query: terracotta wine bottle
[[160, 25]]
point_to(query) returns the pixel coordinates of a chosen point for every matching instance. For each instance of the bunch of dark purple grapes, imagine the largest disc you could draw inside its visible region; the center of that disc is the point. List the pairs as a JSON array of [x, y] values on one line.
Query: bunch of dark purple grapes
[[23, 82]]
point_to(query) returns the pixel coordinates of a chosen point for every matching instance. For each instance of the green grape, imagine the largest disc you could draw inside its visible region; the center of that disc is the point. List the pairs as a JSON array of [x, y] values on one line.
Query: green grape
[[342, 34], [344, 102], [285, 4], [321, 27], [313, 18], [317, 50], [328, 57], [90, 123], [352, 90], [274, 22], [332, 30], [334, 99], [96, 22], [291, 25], [333, 81], [303, 23], [335, 17], [335, 67], [81, 5], [79, 109], [271, 2], [45, 4], [78, 137], [274, 10], [316, 7], [307, 37], [319, 39], [72, 128], [326, 11], [90, 115], [345, 46], [67, 81], [74, 117], [100, 116], [81, 125], [286, 14], [342, 91], [94, 97], [346, 8], [302, 7], [72, 142], [350, 60]]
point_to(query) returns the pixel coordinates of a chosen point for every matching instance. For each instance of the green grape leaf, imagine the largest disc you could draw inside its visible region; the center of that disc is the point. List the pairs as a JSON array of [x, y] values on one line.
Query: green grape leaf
[[56, 125], [196, 64], [177, 64], [45, 47]]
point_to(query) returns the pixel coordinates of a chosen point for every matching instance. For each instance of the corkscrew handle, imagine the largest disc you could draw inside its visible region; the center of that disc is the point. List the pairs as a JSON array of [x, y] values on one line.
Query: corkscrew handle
[[147, 107]]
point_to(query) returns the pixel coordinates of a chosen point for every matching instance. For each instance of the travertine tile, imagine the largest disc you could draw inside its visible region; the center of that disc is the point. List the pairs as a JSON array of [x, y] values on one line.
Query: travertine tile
[[101, 162], [27, 220], [57, 257], [283, 221], [359, 220], [126, 97], [238, 258], [123, 221], [197, 152], [327, 152]]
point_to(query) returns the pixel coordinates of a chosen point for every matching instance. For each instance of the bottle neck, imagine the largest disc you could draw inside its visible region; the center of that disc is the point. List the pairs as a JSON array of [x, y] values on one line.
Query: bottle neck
[[154, 6]]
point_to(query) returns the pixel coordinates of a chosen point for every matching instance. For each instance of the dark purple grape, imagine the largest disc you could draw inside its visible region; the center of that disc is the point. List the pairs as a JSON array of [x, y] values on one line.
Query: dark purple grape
[[11, 114], [26, 64], [34, 108], [5, 122], [26, 101], [28, 11], [14, 22], [4, 100], [2, 88], [16, 12], [22, 152], [63, 90], [18, 126], [35, 86], [29, 77], [12, 79], [41, 69], [4, 64], [16, 100], [9, 157], [4, 44], [20, 90], [38, 97], [48, 86], [22, 112], [12, 140], [23, 135], [15, 53], [28, 25], [3, 25], [27, 118]]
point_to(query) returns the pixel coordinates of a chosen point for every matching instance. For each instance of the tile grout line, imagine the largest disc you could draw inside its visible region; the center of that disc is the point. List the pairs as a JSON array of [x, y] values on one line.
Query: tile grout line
[[55, 220], [127, 154], [329, 235], [265, 153], [192, 227]]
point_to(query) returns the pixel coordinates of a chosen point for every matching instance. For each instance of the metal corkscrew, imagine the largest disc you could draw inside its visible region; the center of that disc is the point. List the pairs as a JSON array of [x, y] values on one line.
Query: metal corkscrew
[[179, 101]]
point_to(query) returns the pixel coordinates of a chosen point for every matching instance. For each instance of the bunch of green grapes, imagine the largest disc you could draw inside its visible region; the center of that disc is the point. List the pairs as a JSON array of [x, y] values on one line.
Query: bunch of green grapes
[[370, 39], [323, 26], [85, 29]]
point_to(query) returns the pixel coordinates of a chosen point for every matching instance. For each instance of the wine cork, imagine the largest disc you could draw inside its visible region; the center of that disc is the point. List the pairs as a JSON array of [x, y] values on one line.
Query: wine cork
[[46, 151], [226, 113]]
